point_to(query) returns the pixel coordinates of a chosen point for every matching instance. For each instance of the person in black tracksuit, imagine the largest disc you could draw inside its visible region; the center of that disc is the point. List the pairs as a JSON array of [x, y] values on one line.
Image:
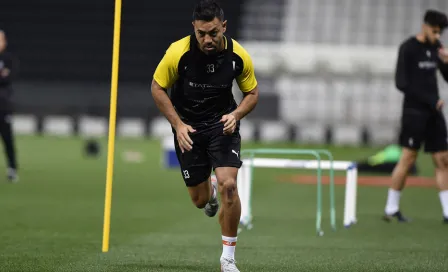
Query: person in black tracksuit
[[7, 71], [422, 120]]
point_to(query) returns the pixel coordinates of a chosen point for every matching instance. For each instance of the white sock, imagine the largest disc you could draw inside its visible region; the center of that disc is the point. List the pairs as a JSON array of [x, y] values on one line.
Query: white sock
[[444, 201], [213, 180], [228, 247], [214, 194], [393, 201]]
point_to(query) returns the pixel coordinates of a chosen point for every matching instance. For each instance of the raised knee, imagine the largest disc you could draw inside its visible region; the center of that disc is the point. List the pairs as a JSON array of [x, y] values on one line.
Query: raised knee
[[200, 201], [408, 160]]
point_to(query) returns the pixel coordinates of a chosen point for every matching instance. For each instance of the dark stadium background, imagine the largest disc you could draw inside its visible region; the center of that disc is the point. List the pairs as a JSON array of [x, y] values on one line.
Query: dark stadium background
[[65, 52]]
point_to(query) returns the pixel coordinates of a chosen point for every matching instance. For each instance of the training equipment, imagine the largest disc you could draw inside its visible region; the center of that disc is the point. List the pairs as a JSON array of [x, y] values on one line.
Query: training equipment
[[250, 162], [384, 161], [112, 125]]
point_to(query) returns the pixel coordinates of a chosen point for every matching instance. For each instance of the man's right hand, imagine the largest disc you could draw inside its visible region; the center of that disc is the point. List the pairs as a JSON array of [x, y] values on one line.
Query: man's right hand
[[183, 138], [440, 104]]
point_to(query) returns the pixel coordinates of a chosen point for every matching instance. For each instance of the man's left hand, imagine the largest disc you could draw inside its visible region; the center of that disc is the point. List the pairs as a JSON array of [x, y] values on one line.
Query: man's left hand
[[229, 121], [443, 55]]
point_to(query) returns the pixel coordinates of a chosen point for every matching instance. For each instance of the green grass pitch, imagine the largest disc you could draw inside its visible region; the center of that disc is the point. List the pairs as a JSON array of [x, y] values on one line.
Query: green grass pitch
[[52, 219]]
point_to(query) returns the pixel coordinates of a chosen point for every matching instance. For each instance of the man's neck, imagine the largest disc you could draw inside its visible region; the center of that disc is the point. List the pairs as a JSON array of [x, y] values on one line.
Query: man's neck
[[421, 38]]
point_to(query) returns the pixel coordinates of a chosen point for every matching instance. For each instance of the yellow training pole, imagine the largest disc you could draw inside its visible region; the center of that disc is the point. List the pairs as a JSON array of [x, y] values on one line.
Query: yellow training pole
[[112, 125]]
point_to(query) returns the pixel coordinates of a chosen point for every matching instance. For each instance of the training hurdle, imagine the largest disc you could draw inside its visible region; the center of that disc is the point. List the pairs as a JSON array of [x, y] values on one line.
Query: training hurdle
[[250, 162]]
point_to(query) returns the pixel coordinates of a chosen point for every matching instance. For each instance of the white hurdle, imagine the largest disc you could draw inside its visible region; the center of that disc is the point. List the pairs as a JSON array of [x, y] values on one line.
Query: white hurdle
[[245, 180]]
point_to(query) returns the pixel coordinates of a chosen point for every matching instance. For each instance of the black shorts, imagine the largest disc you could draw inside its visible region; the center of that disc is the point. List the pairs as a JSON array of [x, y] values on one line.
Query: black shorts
[[420, 127], [211, 149]]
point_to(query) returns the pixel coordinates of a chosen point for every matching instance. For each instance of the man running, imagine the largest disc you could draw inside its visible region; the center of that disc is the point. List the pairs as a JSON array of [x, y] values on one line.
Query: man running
[[199, 70]]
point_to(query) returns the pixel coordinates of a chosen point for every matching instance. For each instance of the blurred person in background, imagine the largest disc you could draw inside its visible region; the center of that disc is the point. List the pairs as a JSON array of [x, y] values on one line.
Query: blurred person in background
[[7, 71], [422, 119]]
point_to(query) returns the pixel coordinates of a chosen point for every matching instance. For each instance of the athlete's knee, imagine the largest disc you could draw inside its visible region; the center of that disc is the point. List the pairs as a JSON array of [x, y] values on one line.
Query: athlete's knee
[[441, 161], [228, 189], [408, 158]]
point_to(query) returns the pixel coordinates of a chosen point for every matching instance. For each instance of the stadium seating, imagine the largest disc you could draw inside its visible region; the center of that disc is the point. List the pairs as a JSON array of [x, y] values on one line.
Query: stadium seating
[[353, 22], [332, 62], [263, 19]]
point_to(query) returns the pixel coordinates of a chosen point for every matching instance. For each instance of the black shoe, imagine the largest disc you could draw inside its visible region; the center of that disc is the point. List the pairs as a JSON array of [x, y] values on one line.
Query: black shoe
[[398, 215], [445, 220]]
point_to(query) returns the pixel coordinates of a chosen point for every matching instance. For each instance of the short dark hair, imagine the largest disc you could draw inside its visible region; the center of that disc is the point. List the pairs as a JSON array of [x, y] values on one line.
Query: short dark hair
[[207, 10], [436, 18]]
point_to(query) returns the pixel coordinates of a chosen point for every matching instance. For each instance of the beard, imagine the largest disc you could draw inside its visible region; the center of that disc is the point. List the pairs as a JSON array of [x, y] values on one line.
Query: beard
[[430, 40], [210, 49]]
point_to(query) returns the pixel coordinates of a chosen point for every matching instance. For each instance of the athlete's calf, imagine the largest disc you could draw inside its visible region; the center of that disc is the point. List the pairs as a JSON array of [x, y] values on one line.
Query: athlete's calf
[[230, 213], [201, 194], [401, 170], [399, 175], [441, 171], [440, 160]]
